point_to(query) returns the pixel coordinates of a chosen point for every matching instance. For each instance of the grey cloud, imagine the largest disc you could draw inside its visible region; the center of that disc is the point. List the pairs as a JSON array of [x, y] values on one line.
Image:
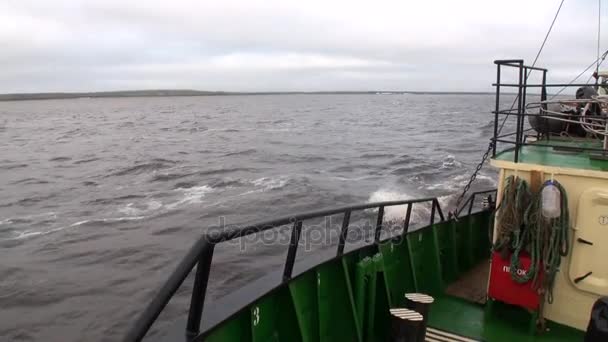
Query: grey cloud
[[282, 45]]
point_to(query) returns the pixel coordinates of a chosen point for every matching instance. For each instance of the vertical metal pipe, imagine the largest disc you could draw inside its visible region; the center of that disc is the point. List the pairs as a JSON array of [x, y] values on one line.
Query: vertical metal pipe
[[471, 204], [432, 212], [296, 232], [543, 107], [379, 220], [497, 109], [519, 94], [523, 107], [543, 97], [197, 301], [343, 232], [439, 210], [406, 221]]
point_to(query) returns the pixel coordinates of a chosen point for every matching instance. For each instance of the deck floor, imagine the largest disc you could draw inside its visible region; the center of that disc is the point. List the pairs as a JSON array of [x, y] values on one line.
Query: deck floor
[[472, 286], [554, 156], [462, 311]]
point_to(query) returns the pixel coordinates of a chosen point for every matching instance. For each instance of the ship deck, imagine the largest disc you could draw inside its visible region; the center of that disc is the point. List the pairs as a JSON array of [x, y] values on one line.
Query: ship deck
[[506, 323], [462, 310], [564, 153]]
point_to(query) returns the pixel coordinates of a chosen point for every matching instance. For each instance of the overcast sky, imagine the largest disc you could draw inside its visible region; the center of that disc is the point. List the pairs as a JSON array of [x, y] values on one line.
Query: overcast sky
[[270, 45]]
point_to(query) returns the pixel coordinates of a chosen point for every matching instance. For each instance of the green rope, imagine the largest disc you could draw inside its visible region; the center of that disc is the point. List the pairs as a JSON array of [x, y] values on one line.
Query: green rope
[[520, 226], [510, 214], [546, 239]]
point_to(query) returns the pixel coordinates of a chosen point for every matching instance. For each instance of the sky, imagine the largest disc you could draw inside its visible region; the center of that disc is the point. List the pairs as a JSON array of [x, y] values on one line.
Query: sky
[[284, 45]]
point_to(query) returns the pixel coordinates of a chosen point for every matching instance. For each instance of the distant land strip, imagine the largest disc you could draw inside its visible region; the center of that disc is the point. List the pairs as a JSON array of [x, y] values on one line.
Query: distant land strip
[[162, 92]]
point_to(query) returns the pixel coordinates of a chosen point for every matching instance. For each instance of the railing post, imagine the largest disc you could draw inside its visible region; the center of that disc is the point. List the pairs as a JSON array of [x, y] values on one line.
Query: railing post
[[523, 106], [343, 232], [296, 231], [471, 204], [379, 220], [519, 112], [199, 291], [497, 109], [406, 221], [543, 97], [432, 212], [439, 210]]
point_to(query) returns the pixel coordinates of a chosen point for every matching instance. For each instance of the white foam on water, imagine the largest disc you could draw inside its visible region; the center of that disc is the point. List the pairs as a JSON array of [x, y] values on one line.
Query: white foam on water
[[47, 215], [456, 183], [193, 195], [32, 233], [420, 211], [132, 210], [108, 220], [270, 183], [394, 212], [490, 179], [450, 161]]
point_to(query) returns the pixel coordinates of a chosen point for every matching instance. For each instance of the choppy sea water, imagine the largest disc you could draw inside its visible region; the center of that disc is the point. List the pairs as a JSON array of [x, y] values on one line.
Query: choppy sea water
[[100, 198]]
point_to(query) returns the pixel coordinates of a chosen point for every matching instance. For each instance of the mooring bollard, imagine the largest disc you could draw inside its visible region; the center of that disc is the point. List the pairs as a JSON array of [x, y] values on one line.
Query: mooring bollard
[[420, 303], [406, 324]]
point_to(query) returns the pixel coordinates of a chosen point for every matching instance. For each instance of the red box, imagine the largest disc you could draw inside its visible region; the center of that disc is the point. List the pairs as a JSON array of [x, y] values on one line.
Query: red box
[[505, 289]]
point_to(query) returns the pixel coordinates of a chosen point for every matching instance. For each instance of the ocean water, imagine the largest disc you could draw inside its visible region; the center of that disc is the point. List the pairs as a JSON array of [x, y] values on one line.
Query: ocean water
[[100, 198]]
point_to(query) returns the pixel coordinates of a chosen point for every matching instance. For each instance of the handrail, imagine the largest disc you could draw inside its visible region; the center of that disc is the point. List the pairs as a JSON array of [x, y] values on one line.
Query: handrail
[[519, 109], [201, 256], [471, 201]]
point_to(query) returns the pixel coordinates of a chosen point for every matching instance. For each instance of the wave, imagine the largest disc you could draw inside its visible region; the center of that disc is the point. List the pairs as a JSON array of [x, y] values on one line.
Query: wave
[[33, 233], [193, 195], [450, 161], [112, 200], [13, 166], [153, 165], [241, 153], [458, 182], [184, 185], [377, 155], [223, 170], [163, 177], [60, 159], [133, 210], [344, 179], [270, 183], [29, 200], [84, 161], [30, 180], [51, 215], [420, 211], [394, 213], [408, 160], [226, 183]]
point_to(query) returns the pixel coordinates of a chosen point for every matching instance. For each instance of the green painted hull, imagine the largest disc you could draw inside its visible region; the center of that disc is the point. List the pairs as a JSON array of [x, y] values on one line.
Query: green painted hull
[[348, 298]]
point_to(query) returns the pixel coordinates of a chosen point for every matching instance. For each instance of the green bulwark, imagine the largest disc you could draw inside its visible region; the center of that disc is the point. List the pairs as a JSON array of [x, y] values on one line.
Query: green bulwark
[[348, 298]]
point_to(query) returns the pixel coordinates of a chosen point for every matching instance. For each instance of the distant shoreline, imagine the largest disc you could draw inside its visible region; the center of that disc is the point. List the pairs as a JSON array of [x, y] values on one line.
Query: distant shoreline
[[162, 93]]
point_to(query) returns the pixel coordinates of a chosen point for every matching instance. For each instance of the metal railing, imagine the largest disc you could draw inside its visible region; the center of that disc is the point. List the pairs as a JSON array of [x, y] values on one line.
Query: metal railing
[[520, 106], [470, 202], [201, 256]]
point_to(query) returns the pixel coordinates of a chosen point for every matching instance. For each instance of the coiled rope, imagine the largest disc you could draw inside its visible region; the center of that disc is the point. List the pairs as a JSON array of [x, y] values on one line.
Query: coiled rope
[[522, 227], [510, 214]]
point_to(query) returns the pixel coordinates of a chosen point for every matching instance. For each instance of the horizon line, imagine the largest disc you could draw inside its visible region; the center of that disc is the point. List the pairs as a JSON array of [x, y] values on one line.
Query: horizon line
[[191, 92]]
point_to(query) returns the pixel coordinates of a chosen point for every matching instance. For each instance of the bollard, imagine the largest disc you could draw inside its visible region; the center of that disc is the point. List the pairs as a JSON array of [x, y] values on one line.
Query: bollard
[[420, 303], [406, 325]]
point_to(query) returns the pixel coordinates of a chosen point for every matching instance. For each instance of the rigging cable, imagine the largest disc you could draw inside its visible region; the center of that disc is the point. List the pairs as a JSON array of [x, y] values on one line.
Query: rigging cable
[[599, 25], [540, 50], [491, 144], [602, 58]]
